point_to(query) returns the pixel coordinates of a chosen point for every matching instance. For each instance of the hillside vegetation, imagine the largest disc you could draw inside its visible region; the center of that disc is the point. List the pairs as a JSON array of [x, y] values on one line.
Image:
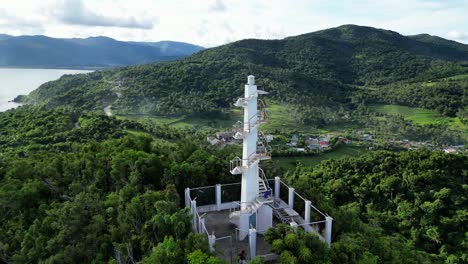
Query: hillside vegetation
[[109, 191], [317, 74], [406, 207]]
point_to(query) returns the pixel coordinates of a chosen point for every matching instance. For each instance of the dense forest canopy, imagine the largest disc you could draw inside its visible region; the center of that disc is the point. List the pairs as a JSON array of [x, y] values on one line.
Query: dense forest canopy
[[103, 192], [416, 197], [108, 191]]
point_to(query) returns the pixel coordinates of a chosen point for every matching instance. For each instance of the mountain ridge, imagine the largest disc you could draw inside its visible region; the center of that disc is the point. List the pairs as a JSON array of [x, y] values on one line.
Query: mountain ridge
[[40, 51], [316, 73]]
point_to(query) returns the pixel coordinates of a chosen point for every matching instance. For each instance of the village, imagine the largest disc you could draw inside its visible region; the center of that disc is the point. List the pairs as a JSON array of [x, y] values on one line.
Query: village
[[310, 144]]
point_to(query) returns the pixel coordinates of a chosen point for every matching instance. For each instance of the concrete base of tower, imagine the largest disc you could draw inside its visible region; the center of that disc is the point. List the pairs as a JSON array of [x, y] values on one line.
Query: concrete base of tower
[[261, 219], [244, 225], [264, 218]]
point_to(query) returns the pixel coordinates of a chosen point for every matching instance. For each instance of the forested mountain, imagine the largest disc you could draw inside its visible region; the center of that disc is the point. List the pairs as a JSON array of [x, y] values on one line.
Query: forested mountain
[[93, 52], [77, 186], [320, 72]]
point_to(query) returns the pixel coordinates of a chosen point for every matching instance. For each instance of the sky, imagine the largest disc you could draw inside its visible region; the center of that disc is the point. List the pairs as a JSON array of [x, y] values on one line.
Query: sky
[[215, 22]]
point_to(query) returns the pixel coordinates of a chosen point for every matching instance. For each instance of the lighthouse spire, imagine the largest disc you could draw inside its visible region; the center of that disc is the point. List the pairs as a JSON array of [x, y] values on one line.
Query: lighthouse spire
[[253, 182]]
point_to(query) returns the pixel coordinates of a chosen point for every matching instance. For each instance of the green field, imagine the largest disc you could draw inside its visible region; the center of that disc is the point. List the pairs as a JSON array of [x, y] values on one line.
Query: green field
[[420, 116], [280, 121], [190, 122], [289, 163], [458, 77]]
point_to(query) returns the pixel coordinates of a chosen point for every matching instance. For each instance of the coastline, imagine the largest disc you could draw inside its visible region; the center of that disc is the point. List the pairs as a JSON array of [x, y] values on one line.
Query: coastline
[[17, 82]]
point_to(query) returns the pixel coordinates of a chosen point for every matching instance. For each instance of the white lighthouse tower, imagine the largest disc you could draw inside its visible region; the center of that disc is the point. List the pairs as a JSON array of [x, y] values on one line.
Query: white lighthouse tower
[[255, 192], [253, 213]]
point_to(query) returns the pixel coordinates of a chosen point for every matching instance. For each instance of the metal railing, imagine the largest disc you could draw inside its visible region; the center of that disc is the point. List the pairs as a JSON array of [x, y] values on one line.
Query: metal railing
[[230, 192], [204, 195], [201, 224], [226, 196], [235, 163], [263, 178]]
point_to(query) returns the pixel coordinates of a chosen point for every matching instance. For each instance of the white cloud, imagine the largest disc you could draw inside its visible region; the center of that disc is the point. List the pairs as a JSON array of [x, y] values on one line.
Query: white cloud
[[19, 25], [75, 12], [461, 36], [215, 22], [218, 5]]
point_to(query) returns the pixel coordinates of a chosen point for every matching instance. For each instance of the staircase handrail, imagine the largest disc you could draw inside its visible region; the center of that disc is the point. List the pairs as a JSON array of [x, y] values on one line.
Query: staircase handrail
[[264, 178], [235, 162]]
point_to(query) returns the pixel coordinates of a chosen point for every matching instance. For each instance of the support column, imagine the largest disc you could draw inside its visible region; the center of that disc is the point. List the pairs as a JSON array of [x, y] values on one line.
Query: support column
[[291, 197], [187, 197], [277, 187], [253, 242], [194, 213], [307, 211], [212, 241], [218, 197], [328, 229]]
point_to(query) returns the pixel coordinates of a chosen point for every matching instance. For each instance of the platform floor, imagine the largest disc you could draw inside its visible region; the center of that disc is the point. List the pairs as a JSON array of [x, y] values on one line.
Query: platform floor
[[228, 247]]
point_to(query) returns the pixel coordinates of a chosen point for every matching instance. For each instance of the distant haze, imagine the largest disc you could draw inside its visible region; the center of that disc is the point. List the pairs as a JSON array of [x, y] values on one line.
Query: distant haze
[[95, 52]]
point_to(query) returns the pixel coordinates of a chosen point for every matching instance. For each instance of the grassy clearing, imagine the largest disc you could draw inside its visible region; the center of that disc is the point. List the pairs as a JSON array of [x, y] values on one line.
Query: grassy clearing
[[289, 163], [137, 133], [451, 78], [420, 116], [190, 122], [281, 121], [458, 77]]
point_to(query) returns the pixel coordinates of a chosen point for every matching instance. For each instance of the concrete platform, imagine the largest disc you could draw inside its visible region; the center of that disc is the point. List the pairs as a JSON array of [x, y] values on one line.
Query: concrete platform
[[227, 245]]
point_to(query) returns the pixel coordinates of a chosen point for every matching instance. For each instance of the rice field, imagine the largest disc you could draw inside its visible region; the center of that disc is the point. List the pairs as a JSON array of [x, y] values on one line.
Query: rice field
[[420, 116]]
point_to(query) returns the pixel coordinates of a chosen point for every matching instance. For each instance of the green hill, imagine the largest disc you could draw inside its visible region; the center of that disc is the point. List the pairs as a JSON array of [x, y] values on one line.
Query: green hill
[[317, 74]]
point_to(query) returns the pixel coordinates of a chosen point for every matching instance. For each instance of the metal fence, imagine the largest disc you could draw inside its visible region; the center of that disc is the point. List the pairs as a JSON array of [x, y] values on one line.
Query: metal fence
[[230, 192], [204, 195]]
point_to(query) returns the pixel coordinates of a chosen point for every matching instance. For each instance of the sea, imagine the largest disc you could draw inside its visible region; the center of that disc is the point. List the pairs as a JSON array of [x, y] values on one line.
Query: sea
[[19, 81]]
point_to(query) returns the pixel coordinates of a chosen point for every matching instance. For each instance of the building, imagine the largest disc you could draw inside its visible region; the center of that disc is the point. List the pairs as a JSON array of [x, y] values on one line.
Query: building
[[294, 140], [344, 140], [212, 140], [235, 216], [324, 144]]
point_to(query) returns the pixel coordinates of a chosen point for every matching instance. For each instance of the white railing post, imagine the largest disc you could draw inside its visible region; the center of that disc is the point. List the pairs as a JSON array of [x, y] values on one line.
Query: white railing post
[[291, 197], [211, 241], [218, 197], [253, 242], [328, 229], [201, 225], [194, 213], [187, 197], [294, 225], [277, 188], [307, 211]]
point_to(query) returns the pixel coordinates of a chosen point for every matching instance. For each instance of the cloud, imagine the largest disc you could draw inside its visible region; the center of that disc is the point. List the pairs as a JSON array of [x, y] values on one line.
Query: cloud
[[228, 28], [218, 6], [461, 36], [12, 24], [74, 12]]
